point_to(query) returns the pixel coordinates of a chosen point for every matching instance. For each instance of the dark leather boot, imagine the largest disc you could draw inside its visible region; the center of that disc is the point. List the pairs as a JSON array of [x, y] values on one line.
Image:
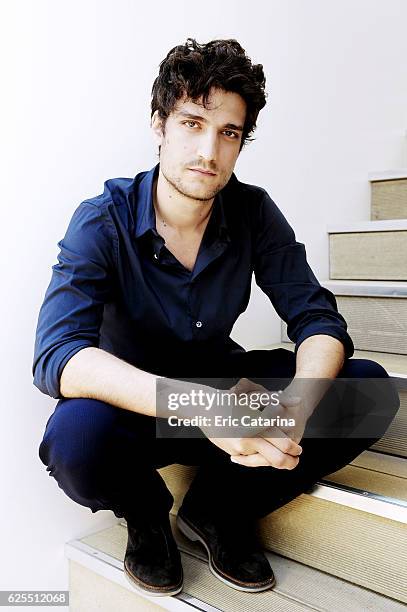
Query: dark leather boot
[[152, 562], [235, 555]]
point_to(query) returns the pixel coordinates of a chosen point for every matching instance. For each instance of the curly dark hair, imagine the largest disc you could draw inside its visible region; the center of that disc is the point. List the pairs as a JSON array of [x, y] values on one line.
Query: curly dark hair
[[193, 69]]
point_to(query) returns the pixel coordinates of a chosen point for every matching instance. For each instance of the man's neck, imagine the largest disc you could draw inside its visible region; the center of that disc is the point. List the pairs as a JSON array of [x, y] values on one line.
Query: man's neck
[[182, 214]]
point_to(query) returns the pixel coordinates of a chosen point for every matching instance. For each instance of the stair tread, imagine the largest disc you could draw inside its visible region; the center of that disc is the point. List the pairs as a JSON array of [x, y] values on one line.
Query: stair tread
[[299, 587], [383, 225], [368, 480], [387, 175], [379, 462], [375, 288]]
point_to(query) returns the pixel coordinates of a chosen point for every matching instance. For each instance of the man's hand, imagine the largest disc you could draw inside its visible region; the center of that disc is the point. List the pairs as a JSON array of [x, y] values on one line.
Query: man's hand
[[254, 452], [275, 446], [298, 401], [291, 406], [284, 438]]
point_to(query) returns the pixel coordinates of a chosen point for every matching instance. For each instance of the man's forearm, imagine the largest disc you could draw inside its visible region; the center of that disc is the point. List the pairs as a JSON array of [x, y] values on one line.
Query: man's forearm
[[320, 356], [96, 374], [319, 360]]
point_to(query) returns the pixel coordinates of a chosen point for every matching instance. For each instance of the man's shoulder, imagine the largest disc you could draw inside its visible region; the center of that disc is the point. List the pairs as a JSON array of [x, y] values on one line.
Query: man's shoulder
[[115, 191], [255, 192], [121, 194], [257, 207]]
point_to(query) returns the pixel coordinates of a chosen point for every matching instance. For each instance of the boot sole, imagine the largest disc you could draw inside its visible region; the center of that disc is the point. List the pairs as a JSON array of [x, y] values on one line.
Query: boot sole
[[145, 589], [193, 535]]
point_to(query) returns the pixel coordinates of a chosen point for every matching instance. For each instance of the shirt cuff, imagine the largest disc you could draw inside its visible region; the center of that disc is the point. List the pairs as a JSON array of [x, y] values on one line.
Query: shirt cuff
[[48, 373], [340, 335]]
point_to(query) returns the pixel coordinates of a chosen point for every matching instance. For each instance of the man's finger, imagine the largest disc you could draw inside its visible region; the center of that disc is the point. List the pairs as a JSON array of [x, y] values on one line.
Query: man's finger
[[283, 442], [254, 460], [274, 455]]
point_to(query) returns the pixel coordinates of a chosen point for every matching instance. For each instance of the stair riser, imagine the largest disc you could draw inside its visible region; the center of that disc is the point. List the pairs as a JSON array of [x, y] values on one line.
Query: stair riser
[[374, 323], [353, 545], [89, 592], [394, 441], [376, 255], [389, 199]]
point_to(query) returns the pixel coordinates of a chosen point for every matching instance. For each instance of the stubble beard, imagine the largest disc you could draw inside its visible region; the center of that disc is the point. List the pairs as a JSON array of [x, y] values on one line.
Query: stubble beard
[[182, 189]]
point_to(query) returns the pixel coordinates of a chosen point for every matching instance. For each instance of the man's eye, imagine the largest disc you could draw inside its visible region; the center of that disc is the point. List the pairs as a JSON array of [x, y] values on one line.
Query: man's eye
[[189, 122], [232, 134]]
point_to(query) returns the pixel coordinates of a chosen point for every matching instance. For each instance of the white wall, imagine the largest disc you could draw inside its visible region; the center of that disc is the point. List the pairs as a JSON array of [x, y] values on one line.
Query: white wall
[[76, 112]]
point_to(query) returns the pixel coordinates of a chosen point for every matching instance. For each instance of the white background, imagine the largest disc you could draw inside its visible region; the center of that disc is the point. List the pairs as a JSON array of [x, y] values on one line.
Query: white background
[[75, 94]]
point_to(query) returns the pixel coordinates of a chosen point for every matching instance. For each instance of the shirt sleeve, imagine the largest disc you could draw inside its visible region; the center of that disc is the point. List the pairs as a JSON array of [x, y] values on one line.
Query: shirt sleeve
[[72, 311], [283, 273]]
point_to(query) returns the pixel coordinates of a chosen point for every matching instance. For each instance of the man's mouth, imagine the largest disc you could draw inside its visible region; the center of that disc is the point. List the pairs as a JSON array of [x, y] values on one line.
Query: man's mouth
[[204, 172]]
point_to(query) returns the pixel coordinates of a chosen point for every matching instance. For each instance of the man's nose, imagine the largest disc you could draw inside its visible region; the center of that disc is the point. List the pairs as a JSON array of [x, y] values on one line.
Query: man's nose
[[207, 148]]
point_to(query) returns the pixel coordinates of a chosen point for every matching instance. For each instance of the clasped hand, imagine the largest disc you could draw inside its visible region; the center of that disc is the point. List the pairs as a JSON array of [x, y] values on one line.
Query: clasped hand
[[267, 446]]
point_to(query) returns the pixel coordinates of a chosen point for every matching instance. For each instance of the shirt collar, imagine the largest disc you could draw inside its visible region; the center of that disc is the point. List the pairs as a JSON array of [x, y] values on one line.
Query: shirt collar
[[146, 220], [145, 209]]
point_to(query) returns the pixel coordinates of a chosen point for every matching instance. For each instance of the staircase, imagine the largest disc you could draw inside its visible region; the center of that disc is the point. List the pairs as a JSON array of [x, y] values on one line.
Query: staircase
[[343, 544]]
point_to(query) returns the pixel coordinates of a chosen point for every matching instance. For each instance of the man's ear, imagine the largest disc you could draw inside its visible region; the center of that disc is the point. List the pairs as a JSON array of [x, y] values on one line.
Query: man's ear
[[157, 127]]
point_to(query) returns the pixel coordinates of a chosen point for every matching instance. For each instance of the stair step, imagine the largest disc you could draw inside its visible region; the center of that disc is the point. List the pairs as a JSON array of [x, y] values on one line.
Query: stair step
[[389, 199], [376, 314], [385, 464], [373, 482], [388, 195], [369, 250], [96, 561], [376, 323], [376, 481], [308, 529], [303, 585]]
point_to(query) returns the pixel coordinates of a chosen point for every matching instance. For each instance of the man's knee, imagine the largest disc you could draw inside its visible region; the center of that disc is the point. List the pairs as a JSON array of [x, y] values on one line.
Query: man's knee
[[376, 395], [75, 432], [363, 368]]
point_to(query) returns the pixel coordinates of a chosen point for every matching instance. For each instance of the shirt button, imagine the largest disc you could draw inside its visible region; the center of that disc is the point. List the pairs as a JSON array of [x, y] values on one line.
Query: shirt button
[[198, 323]]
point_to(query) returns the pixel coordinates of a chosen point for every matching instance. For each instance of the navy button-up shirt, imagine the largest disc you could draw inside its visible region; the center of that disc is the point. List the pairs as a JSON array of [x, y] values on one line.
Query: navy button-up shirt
[[117, 287]]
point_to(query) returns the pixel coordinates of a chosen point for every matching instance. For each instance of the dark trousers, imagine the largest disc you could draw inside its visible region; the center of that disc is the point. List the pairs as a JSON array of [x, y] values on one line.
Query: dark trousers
[[106, 458]]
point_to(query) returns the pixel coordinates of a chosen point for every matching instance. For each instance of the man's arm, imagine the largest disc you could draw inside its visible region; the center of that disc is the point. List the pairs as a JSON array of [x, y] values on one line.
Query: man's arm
[[319, 356], [283, 273], [94, 373], [72, 310]]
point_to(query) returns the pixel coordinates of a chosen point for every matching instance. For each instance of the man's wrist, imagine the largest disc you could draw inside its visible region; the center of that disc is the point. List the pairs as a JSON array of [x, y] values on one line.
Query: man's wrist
[[310, 389], [183, 399]]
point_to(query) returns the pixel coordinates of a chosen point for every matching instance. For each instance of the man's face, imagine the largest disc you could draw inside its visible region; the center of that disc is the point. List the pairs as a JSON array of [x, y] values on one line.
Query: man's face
[[197, 138]]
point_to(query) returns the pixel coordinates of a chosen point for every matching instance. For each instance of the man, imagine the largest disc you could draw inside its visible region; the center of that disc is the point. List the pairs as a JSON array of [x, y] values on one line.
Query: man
[[151, 277]]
